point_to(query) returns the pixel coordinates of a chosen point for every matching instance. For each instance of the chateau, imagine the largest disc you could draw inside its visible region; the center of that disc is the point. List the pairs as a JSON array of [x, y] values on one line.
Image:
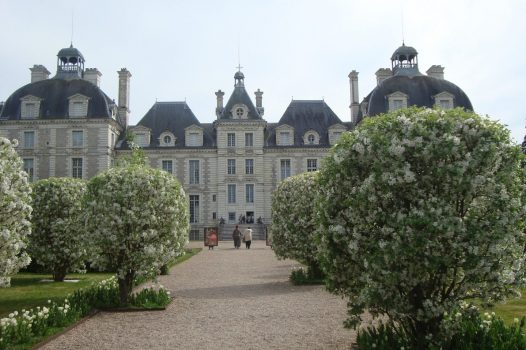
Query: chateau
[[67, 126]]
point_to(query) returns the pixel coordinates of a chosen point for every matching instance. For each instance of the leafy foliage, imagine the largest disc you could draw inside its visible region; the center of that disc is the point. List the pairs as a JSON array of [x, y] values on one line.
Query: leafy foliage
[[421, 209], [294, 224], [138, 221], [58, 240], [15, 212]]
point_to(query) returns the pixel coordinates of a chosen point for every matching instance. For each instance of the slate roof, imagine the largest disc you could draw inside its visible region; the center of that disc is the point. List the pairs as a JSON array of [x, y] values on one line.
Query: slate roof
[[174, 117], [55, 104], [305, 115], [419, 88], [239, 96]]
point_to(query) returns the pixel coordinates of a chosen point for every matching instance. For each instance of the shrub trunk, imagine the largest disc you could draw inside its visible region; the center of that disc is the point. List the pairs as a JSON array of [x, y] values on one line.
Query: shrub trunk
[[126, 287]]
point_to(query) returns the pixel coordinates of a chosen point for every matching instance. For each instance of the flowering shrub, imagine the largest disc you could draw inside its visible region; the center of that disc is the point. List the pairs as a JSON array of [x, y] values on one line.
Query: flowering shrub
[[58, 240], [422, 209], [15, 212], [137, 218], [294, 224], [464, 328]]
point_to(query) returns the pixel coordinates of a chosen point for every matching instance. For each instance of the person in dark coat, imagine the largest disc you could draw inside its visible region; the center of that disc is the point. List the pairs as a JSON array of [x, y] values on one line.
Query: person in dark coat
[[236, 235]]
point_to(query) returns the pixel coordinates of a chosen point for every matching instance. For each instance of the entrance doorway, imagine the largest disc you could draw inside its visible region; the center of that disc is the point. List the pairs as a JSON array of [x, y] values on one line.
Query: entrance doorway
[[250, 217]]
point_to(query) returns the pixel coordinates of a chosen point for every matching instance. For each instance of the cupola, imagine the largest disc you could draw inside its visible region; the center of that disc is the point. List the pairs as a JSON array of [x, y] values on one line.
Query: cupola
[[404, 61], [70, 63]]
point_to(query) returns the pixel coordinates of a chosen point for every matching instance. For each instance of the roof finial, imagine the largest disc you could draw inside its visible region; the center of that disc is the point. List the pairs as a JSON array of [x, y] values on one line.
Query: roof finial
[[402, 19], [71, 42], [238, 57]]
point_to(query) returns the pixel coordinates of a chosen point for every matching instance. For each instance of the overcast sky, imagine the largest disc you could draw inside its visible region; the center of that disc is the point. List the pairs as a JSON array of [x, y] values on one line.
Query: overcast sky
[[187, 50]]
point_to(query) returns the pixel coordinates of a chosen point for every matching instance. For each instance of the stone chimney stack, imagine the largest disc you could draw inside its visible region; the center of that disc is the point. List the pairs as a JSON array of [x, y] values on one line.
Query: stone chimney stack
[[38, 73], [355, 104], [219, 107], [123, 106], [259, 101], [436, 71], [383, 74], [93, 76]]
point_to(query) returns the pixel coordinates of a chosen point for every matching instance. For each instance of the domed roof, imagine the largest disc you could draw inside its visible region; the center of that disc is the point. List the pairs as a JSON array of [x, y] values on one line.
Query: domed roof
[[239, 75], [420, 90], [70, 52], [404, 53], [54, 95]]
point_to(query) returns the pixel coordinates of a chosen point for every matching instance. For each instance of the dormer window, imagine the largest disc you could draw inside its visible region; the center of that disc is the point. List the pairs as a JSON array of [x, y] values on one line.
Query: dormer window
[[285, 138], [78, 106], [239, 111], [284, 135], [335, 132], [141, 135], [444, 100], [167, 139], [30, 107], [311, 138], [194, 136], [397, 100]]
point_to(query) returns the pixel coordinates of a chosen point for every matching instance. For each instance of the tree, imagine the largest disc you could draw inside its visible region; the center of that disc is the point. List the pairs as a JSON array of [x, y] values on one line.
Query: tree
[[15, 212], [138, 220], [58, 241], [294, 224], [422, 209]]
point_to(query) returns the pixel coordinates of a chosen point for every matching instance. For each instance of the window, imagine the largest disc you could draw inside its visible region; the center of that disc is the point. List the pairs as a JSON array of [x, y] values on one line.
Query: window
[[29, 168], [195, 235], [77, 109], [167, 139], [29, 139], [249, 166], [231, 140], [30, 110], [445, 104], [231, 193], [285, 168], [167, 166], [285, 138], [77, 138], [312, 165], [232, 217], [249, 193], [140, 139], [193, 139], [194, 172], [311, 139], [213, 198], [398, 104], [249, 139], [76, 168], [214, 215], [112, 140], [231, 166], [239, 112], [194, 209]]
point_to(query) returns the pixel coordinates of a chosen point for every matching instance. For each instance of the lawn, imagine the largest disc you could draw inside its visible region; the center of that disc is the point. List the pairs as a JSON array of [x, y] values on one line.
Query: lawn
[[513, 308], [28, 291]]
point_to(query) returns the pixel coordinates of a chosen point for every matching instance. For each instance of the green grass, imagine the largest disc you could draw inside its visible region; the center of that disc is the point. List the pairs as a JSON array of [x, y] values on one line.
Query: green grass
[[27, 290], [513, 308], [189, 253]]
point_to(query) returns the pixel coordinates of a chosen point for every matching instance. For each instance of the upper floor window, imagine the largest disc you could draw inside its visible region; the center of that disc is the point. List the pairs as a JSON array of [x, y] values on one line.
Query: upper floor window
[[30, 107], [249, 166], [249, 193], [285, 168], [78, 106], [312, 165], [445, 104], [231, 166], [29, 139], [77, 138], [284, 138], [194, 208], [444, 100], [249, 139], [311, 138], [231, 139], [239, 112], [140, 139], [193, 166], [397, 100], [167, 139], [167, 166]]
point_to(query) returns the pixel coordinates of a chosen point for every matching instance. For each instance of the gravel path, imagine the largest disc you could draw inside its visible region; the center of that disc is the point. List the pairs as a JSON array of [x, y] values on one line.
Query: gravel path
[[224, 299]]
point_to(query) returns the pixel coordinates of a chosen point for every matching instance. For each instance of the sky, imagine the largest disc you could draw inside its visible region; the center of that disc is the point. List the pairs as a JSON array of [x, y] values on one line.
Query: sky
[[187, 50]]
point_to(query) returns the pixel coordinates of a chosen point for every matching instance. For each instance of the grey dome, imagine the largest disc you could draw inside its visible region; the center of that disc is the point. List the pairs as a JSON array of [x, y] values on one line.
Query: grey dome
[[70, 55], [239, 75], [404, 53]]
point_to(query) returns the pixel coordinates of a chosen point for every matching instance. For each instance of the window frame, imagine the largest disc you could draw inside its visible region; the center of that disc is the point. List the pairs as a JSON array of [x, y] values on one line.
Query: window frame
[[193, 208], [75, 141], [194, 174], [31, 173], [249, 168], [77, 170], [231, 139], [249, 139], [249, 193], [29, 143], [165, 168], [231, 193], [285, 169], [311, 168], [231, 166]]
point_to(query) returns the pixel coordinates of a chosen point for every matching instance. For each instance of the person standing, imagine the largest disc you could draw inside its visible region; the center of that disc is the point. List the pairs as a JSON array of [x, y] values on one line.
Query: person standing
[[236, 235], [247, 237]]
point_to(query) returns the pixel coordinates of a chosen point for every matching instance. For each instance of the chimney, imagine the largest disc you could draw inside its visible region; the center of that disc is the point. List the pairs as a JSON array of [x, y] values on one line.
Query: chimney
[[383, 74], [436, 71], [93, 76], [123, 111], [38, 73], [219, 107], [355, 105], [259, 101]]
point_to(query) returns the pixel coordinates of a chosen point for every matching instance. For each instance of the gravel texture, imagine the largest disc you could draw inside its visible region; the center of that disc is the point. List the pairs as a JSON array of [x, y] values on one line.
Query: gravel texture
[[224, 299]]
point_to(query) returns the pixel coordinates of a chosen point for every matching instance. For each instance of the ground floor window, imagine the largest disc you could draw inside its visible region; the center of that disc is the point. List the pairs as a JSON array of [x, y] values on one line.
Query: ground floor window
[[194, 208], [195, 235], [29, 168], [76, 168], [232, 217]]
